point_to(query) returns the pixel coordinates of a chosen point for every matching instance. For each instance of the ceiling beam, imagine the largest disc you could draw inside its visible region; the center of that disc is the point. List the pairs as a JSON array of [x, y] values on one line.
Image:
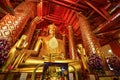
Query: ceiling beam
[[109, 33], [75, 4], [94, 8], [53, 19], [65, 5], [111, 22]]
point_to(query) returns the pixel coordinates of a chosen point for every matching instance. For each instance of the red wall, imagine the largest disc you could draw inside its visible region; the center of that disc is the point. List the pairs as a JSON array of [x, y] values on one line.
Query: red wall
[[115, 46]]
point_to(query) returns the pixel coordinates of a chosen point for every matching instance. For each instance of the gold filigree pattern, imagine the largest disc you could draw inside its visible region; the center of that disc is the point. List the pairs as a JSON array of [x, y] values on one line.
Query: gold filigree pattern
[[12, 26]]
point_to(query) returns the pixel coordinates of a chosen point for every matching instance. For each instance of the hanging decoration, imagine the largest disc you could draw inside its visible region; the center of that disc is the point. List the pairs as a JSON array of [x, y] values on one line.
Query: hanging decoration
[[4, 49], [95, 63]]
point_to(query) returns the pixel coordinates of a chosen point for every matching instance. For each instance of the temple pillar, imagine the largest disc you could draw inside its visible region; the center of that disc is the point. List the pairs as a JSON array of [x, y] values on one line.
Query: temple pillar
[[92, 47], [11, 26], [40, 9], [72, 52], [64, 42], [90, 42]]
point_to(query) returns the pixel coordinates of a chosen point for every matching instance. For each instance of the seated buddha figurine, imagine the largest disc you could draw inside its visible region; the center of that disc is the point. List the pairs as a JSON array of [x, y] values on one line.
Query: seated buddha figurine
[[50, 46]]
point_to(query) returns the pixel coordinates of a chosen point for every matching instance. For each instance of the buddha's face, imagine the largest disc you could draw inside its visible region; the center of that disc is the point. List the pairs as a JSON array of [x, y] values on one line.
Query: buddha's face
[[52, 29]]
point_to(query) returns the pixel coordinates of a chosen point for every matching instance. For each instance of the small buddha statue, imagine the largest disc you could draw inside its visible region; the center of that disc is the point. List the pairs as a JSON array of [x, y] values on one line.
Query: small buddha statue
[[50, 46], [52, 73]]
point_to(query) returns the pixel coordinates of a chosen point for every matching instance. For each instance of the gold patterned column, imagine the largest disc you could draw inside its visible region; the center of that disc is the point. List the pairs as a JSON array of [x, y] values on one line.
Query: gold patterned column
[[12, 26], [90, 42], [72, 52]]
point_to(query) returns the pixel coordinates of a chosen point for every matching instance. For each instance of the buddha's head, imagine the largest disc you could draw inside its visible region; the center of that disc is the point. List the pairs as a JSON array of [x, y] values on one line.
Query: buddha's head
[[52, 29]]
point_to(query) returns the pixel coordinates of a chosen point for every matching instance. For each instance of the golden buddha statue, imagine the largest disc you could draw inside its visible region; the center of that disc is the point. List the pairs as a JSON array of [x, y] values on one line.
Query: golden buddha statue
[[50, 46], [47, 49]]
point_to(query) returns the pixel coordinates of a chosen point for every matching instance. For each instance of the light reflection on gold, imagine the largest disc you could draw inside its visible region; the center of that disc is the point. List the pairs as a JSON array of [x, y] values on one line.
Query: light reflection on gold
[[29, 63], [33, 60]]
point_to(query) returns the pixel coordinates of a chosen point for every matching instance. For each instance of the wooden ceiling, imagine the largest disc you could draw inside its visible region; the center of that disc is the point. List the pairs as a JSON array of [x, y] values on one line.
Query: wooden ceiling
[[103, 16]]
